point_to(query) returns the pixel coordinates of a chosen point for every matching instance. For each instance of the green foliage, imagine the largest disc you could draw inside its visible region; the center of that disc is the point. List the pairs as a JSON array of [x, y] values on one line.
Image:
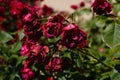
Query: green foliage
[[115, 75], [4, 37], [116, 8], [16, 46], [21, 34], [10, 59], [111, 35]]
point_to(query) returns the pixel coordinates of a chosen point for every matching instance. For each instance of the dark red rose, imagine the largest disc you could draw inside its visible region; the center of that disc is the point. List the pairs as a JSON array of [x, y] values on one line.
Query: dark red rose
[[53, 27], [16, 7], [38, 53], [31, 32], [46, 10], [37, 9], [30, 13], [73, 37], [74, 7], [35, 52], [27, 74], [82, 4], [31, 26], [57, 19], [30, 22], [52, 30], [54, 65], [101, 7]]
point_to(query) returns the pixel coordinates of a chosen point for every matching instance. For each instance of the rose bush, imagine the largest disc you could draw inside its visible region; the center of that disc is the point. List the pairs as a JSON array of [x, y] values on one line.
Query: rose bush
[[39, 43]]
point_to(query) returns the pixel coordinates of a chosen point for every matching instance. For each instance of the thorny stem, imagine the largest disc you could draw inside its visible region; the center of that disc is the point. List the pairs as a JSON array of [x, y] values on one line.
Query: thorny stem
[[89, 54]]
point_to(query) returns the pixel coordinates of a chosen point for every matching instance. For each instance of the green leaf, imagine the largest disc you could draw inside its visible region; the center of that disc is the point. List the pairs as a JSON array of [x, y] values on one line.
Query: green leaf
[[18, 76], [12, 77], [53, 40], [78, 62], [62, 78], [116, 8], [5, 37], [117, 55], [20, 60], [115, 75], [16, 46], [112, 35], [117, 35], [21, 34], [100, 23]]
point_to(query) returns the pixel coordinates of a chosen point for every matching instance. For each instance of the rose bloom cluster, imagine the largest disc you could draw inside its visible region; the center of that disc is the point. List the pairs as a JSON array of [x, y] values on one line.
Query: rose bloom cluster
[[13, 11], [29, 17], [38, 32], [36, 46], [71, 37]]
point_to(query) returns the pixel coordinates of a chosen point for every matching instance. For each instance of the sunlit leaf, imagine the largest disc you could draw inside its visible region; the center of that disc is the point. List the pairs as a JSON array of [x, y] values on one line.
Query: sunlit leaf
[[115, 75], [16, 46], [112, 35], [21, 34]]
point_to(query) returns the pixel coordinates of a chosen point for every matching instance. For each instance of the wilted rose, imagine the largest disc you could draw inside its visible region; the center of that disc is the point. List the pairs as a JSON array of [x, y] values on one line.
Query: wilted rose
[[57, 19], [52, 30], [46, 10], [31, 26], [73, 37], [38, 53], [53, 27], [54, 65]]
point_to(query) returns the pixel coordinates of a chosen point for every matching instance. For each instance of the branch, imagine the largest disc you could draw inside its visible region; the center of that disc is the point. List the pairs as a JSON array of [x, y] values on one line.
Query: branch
[[89, 54]]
